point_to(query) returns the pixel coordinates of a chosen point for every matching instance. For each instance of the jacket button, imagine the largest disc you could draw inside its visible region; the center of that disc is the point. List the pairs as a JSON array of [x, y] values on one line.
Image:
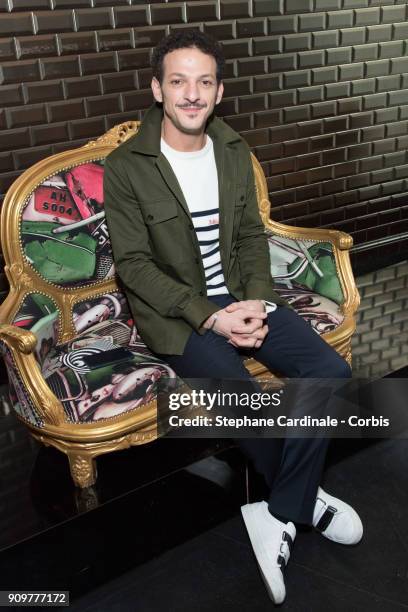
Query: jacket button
[[191, 226], [196, 260], [201, 292], [150, 217], [242, 198]]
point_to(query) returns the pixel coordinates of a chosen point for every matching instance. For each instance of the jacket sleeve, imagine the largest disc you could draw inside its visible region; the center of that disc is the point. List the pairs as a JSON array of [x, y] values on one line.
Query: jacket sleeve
[[134, 260], [253, 249]]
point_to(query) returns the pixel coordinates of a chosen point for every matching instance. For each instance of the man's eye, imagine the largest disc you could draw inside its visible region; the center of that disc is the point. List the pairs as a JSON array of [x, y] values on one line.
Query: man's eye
[[175, 81], [207, 83]]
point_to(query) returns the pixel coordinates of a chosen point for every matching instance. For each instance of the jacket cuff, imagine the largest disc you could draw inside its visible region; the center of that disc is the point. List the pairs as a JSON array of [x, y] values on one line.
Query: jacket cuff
[[197, 310]]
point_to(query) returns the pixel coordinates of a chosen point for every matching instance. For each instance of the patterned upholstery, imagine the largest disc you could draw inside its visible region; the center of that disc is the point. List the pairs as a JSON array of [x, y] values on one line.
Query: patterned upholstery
[[96, 379], [19, 398], [320, 312], [305, 263], [106, 369], [63, 229], [305, 274]]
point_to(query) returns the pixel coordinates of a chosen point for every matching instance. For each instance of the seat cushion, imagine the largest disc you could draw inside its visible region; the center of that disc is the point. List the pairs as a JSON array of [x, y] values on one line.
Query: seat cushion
[[105, 371], [322, 313]]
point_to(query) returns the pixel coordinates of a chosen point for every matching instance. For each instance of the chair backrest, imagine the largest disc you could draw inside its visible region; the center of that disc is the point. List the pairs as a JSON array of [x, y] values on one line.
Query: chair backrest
[[56, 244]]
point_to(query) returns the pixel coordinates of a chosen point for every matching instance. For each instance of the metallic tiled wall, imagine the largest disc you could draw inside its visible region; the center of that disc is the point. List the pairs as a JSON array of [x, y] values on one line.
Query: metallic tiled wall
[[319, 88], [380, 344]]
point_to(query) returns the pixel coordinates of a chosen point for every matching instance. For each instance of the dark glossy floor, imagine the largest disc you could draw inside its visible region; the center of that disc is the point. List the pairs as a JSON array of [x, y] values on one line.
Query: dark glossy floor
[[162, 528], [217, 571]]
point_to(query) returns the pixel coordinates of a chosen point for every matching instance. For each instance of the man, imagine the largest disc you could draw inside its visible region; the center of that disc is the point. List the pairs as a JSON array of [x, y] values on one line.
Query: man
[[190, 248]]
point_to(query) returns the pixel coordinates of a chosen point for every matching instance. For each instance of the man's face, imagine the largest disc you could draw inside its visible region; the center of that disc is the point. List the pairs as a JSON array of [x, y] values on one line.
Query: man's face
[[189, 89]]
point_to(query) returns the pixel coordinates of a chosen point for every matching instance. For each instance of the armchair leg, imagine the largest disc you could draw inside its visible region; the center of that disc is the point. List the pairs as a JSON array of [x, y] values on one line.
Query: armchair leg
[[86, 499], [83, 469]]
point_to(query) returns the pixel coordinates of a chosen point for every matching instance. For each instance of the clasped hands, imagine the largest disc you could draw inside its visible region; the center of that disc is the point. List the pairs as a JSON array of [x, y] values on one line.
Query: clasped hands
[[243, 323]]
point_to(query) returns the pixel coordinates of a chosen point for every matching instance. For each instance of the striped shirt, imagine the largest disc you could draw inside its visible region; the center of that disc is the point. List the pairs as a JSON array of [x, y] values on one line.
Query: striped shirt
[[196, 172]]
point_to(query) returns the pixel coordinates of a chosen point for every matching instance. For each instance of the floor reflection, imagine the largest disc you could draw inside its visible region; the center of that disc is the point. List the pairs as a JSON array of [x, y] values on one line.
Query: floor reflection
[[36, 487]]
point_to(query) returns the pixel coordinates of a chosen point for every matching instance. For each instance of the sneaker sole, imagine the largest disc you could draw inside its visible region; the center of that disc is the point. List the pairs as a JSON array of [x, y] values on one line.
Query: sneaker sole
[[248, 514]]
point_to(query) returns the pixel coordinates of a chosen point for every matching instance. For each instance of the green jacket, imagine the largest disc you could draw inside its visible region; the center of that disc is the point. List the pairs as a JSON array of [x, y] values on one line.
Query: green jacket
[[154, 244]]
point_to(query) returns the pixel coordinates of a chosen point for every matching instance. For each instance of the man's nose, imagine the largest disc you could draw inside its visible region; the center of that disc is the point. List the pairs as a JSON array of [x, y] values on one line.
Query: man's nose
[[192, 93]]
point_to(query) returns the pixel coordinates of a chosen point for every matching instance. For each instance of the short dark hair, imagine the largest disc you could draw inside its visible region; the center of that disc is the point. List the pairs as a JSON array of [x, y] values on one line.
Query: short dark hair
[[185, 40]]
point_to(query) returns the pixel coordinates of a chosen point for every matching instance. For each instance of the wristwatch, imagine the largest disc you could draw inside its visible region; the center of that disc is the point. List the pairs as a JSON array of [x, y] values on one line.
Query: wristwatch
[[269, 306]]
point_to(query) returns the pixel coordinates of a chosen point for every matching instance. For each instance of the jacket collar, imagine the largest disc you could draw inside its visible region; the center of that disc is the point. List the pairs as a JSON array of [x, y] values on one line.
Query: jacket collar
[[147, 139]]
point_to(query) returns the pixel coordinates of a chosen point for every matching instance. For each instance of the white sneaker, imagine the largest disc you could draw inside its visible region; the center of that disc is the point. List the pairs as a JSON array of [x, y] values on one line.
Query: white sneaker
[[272, 542], [336, 520]]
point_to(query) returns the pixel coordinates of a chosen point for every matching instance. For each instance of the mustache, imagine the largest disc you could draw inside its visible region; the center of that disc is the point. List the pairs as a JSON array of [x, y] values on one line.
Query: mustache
[[191, 105]]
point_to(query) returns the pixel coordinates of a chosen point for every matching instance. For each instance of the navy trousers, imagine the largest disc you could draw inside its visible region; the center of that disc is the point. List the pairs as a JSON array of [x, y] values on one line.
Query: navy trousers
[[292, 467]]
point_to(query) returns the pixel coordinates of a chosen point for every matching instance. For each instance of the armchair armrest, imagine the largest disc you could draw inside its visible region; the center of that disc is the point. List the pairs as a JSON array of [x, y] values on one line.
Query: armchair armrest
[[340, 243], [18, 339], [17, 346], [340, 240]]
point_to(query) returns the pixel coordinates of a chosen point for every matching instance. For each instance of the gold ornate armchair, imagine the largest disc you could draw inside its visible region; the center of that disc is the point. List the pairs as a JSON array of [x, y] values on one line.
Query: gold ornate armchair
[[81, 377]]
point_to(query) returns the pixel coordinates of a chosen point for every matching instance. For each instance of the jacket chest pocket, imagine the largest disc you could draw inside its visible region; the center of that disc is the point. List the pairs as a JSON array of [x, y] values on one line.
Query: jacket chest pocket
[[165, 229], [159, 211]]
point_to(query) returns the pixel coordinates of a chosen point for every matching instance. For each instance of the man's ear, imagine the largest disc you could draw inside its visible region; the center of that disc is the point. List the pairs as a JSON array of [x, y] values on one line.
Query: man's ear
[[220, 92], [156, 89]]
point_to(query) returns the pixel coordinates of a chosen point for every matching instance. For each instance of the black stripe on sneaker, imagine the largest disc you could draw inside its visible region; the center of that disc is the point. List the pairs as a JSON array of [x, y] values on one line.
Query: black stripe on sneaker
[[286, 536], [326, 518]]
